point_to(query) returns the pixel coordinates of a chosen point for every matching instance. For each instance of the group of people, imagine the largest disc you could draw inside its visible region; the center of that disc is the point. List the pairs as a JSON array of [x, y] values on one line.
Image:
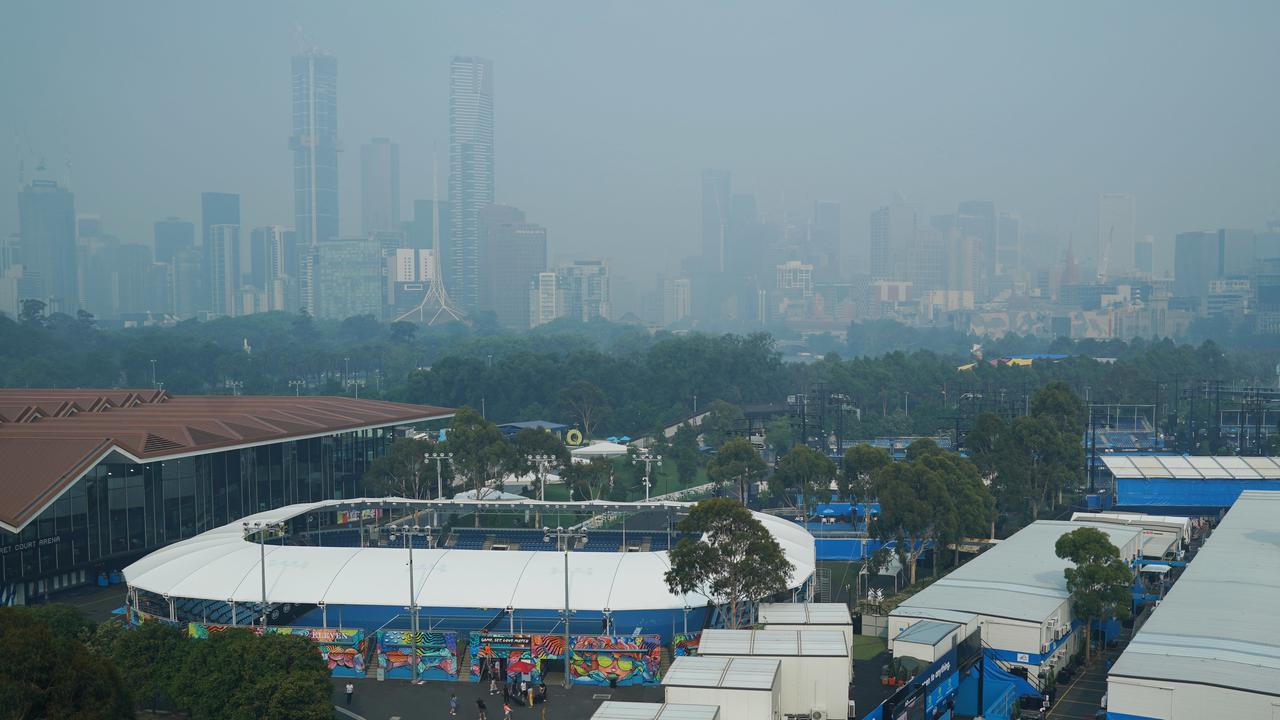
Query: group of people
[[523, 692]]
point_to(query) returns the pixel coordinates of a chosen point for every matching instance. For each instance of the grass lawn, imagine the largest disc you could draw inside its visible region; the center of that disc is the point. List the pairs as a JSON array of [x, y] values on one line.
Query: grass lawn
[[866, 647]]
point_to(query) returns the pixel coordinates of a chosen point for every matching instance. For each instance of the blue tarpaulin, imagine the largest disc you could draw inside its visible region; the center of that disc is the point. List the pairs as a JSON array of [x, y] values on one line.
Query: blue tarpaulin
[[1000, 692], [844, 510], [845, 548], [1198, 494]]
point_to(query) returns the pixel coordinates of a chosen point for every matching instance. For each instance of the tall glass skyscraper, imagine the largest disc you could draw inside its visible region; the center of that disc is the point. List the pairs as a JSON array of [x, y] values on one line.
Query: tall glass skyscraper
[[470, 172], [315, 152]]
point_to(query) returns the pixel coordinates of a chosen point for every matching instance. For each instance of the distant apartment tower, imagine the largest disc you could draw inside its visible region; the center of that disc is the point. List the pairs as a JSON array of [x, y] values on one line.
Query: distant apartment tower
[[824, 237], [544, 299], [1144, 255], [1117, 234], [715, 219], [977, 219], [216, 208], [677, 300], [471, 165], [379, 186], [512, 253], [315, 146], [47, 246], [794, 280], [1008, 243], [272, 267], [172, 237], [223, 255], [420, 232], [584, 286], [348, 278]]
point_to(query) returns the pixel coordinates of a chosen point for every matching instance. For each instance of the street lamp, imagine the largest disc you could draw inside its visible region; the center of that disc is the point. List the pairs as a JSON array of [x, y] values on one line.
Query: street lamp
[[648, 459], [153, 373], [563, 538], [409, 532], [439, 457]]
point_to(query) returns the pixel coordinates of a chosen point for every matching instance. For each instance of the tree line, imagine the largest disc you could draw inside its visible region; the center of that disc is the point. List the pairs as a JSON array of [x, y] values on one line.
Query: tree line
[[63, 666]]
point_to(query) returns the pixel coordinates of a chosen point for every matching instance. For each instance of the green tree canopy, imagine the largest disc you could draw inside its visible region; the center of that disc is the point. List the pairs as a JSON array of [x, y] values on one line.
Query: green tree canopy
[[805, 471], [236, 675], [586, 402], [722, 421], [735, 560], [481, 453], [50, 675], [1100, 580], [860, 464], [150, 657], [403, 471], [737, 464], [684, 453]]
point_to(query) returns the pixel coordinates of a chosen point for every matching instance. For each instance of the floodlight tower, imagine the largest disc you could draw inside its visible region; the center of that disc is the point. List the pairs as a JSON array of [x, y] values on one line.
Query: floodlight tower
[[564, 536]]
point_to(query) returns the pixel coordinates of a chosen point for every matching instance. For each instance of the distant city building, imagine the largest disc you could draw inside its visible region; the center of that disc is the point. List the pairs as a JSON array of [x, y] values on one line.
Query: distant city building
[[471, 164], [512, 253], [794, 279], [584, 287], [349, 278], [315, 146], [216, 208], [825, 240], [1008, 243], [47, 246], [677, 301], [715, 219], [172, 238], [273, 267], [186, 283], [379, 185], [893, 234], [977, 219], [419, 232], [223, 253], [1237, 251], [1144, 256], [1117, 235], [544, 299]]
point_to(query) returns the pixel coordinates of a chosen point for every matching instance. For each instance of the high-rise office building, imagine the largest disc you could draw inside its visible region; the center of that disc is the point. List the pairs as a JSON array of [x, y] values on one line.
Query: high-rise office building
[[1117, 235], [272, 266], [223, 255], [420, 231], [349, 278], [512, 253], [1144, 255], [677, 300], [977, 219], [215, 209], [47, 246], [379, 186], [1196, 261], [172, 237], [1237, 250], [584, 286], [470, 172], [825, 240], [893, 234], [715, 219], [544, 299], [1008, 243], [315, 148]]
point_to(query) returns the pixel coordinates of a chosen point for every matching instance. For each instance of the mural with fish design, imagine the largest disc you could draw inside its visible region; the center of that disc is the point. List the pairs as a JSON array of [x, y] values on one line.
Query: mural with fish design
[[436, 654]]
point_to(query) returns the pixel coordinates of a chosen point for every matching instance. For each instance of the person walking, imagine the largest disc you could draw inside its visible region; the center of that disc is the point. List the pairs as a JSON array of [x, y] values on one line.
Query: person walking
[[351, 689], [506, 711], [528, 692], [453, 704], [493, 684], [481, 709]]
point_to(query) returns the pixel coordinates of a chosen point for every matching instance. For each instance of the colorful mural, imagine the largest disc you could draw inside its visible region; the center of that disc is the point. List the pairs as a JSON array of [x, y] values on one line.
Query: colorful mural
[[343, 649], [515, 650], [350, 516], [436, 654], [682, 645], [616, 660]]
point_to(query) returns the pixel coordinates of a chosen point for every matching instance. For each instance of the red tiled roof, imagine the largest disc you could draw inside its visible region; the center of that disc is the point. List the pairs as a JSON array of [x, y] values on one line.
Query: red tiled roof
[[49, 438]]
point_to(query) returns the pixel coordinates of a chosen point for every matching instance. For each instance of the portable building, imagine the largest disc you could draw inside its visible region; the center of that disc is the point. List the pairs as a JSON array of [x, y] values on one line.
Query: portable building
[[611, 710], [807, 616], [1211, 649], [743, 688], [927, 640], [1162, 534], [815, 670]]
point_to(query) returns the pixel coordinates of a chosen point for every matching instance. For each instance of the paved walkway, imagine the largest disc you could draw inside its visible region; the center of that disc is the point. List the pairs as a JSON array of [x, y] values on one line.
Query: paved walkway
[[1082, 698]]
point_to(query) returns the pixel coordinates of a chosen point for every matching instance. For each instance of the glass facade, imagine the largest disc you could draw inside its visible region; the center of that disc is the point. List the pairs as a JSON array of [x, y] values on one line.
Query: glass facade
[[120, 510]]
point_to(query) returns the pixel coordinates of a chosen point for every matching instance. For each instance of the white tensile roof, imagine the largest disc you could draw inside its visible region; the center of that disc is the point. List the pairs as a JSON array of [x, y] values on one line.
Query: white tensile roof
[[1218, 624], [221, 565], [614, 710], [600, 449]]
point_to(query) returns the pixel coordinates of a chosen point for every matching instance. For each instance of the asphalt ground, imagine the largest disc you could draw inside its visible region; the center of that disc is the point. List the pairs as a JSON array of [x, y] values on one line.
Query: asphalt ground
[[402, 700]]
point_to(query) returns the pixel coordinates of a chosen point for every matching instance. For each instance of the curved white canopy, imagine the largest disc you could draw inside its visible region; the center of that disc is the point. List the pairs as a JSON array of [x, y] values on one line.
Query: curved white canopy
[[221, 565]]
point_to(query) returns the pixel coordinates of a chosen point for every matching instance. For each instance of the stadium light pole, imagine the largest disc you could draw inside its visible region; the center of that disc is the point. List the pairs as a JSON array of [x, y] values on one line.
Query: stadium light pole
[[297, 386], [648, 459], [563, 537], [411, 531], [439, 457], [541, 460]]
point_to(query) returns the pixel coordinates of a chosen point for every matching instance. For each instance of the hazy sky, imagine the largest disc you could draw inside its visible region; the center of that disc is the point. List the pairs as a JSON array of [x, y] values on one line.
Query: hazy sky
[[608, 111]]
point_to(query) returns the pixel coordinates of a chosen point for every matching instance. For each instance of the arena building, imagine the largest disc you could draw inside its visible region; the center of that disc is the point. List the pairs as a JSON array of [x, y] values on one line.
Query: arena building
[[93, 479]]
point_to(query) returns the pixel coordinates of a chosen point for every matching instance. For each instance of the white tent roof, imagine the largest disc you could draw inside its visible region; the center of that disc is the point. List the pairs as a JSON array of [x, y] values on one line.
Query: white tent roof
[[600, 449], [221, 565]]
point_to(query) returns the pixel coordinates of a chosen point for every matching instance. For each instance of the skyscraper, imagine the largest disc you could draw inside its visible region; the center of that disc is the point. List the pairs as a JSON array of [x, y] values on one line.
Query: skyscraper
[[1196, 261], [893, 233], [512, 253], [349, 278], [470, 172], [215, 209], [545, 302], [223, 254], [1008, 243], [47, 246], [1144, 255], [1116, 235], [172, 237], [977, 219], [715, 219], [825, 239], [379, 186], [315, 157], [584, 287]]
